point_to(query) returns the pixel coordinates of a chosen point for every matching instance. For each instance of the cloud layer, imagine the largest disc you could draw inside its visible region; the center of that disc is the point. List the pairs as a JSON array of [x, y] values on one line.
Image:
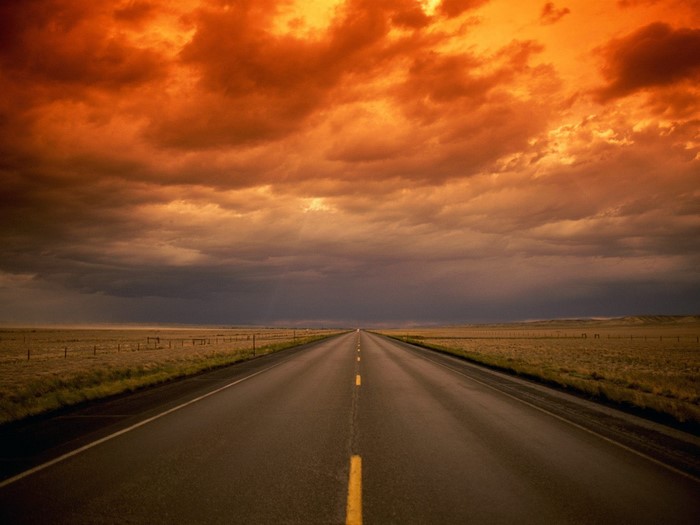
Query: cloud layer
[[348, 162]]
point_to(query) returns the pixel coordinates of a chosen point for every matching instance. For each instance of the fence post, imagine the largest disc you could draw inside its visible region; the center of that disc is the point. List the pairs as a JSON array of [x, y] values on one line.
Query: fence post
[[65, 351]]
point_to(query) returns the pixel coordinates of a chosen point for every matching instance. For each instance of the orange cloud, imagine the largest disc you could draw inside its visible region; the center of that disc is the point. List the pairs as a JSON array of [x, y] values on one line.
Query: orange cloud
[[453, 8], [256, 85], [136, 11], [422, 160], [550, 14]]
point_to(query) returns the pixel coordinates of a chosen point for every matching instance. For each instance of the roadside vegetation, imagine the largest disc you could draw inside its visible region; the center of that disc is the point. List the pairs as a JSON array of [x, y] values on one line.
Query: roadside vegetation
[[648, 364], [47, 369]]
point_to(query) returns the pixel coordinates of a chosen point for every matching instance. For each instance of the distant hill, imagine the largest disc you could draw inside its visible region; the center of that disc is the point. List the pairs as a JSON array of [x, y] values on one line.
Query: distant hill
[[661, 319], [636, 320]]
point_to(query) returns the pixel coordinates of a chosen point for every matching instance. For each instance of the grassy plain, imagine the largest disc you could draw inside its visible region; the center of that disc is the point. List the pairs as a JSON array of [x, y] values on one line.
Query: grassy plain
[[48, 368], [648, 363]]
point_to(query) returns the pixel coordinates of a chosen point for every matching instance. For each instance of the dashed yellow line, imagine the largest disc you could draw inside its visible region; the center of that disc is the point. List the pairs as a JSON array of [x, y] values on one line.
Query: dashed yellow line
[[358, 380], [354, 508], [358, 358]]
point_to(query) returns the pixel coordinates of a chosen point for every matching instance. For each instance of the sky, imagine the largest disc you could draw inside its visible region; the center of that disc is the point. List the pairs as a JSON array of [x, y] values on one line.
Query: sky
[[348, 162]]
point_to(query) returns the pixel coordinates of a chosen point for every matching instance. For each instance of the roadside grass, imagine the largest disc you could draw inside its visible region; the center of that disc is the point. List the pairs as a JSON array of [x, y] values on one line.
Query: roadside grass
[[69, 367], [649, 367]]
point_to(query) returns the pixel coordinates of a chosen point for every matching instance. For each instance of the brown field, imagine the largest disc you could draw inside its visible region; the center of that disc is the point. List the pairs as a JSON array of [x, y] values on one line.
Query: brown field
[[651, 363], [47, 368]]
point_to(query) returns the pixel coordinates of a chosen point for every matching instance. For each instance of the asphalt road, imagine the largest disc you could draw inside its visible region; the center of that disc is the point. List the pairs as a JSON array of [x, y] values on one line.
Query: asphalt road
[[433, 440]]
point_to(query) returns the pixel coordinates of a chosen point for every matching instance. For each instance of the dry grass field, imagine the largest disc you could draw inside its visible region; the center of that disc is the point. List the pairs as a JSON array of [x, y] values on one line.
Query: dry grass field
[[652, 363], [48, 368]]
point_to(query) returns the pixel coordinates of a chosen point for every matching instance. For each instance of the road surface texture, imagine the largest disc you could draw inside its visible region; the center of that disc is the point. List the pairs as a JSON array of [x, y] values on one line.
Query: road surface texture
[[354, 429]]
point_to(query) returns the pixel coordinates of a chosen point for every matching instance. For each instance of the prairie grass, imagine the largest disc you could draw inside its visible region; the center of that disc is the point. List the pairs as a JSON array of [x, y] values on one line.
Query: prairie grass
[[46, 369], [649, 364]]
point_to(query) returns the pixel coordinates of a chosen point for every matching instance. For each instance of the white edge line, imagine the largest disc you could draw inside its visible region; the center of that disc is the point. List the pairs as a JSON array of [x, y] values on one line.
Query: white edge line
[[82, 449], [568, 421]]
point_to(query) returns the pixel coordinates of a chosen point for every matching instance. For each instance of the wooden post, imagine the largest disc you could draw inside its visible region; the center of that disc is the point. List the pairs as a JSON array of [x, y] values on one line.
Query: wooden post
[[94, 350], [65, 351], [29, 353]]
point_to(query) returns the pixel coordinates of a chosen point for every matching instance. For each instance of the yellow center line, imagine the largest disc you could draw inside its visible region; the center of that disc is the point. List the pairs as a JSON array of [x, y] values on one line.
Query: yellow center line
[[354, 507], [358, 358], [358, 380]]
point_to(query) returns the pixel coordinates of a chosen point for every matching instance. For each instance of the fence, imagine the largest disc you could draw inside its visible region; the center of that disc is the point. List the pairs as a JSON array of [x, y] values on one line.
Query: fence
[[17, 345]]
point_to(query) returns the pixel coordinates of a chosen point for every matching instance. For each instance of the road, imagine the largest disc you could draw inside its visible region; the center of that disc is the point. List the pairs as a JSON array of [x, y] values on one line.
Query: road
[[357, 428]]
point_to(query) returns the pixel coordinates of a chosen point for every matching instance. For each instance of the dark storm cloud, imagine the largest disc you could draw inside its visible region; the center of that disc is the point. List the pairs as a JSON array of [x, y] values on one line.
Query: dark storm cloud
[[63, 43], [653, 56]]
